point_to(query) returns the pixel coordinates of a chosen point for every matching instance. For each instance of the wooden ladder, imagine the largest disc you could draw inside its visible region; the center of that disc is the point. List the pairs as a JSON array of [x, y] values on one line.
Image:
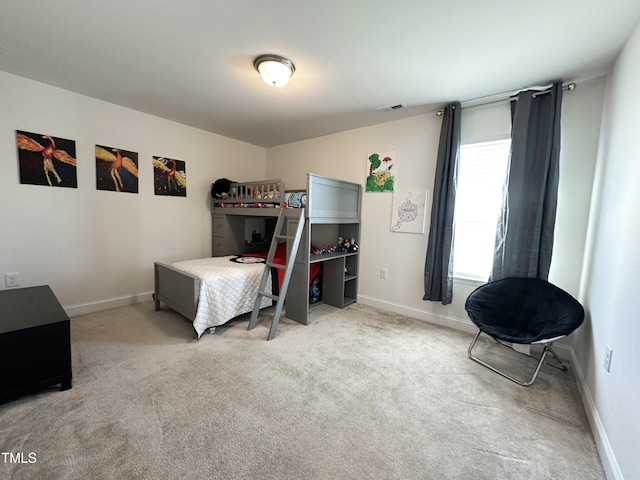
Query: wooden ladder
[[296, 213]]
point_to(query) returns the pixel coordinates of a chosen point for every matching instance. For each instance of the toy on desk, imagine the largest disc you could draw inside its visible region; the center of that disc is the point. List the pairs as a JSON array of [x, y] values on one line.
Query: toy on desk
[[349, 245], [344, 245]]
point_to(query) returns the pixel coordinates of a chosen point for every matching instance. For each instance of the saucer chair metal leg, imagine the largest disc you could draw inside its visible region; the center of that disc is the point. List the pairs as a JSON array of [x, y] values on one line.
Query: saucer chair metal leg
[[561, 365], [492, 368]]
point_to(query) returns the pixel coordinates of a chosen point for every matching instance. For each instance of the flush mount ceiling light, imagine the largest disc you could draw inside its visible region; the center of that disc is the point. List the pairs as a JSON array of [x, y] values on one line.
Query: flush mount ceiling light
[[274, 69]]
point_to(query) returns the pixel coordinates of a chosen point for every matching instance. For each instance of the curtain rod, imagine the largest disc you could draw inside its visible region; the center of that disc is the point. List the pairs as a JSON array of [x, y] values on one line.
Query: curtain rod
[[501, 97]]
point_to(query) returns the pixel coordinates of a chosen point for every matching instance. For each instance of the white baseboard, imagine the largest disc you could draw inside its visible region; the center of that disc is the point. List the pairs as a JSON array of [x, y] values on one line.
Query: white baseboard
[[607, 457], [451, 322], [90, 307], [565, 352]]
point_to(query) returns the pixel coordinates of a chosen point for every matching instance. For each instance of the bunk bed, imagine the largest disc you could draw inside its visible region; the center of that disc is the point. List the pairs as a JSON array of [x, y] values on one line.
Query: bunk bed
[[332, 209]]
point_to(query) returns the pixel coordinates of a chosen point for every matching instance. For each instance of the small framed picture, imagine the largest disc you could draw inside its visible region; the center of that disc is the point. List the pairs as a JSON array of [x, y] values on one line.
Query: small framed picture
[[116, 169], [169, 177], [46, 160], [382, 169], [408, 211]]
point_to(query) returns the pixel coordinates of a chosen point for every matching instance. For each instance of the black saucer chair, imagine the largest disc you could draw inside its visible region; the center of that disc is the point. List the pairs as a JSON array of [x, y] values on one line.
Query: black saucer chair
[[523, 311]]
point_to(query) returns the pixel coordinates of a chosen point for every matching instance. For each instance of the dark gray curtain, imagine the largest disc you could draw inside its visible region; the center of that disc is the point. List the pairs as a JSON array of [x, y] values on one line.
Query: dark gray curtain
[[438, 268], [524, 237]]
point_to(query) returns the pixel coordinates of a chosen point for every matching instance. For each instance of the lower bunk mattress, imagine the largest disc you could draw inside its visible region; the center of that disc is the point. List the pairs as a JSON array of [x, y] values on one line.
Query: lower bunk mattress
[[228, 288]]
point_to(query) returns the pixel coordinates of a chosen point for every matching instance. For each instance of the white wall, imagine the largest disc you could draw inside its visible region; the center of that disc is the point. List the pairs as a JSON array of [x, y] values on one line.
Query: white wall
[[94, 246], [581, 118], [610, 287], [344, 155]]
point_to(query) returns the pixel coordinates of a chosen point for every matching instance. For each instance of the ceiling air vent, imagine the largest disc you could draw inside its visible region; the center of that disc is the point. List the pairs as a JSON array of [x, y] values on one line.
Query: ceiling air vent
[[390, 108]]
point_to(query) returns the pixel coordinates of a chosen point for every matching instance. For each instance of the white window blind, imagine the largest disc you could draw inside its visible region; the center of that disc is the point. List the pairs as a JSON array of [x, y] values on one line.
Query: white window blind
[[481, 176]]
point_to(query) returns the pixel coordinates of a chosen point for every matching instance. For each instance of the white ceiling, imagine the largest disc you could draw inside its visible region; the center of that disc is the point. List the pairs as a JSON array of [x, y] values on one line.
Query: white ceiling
[[191, 61]]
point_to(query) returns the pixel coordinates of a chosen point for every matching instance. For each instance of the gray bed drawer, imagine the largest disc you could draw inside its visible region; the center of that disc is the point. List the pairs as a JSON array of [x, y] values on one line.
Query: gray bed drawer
[[218, 225], [218, 229]]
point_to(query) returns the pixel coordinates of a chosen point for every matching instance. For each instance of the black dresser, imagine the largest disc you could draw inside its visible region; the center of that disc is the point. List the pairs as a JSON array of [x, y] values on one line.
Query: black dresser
[[35, 344]]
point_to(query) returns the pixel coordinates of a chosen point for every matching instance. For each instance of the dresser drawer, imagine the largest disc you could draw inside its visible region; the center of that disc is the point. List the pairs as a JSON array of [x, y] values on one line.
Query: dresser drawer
[[218, 246], [218, 226]]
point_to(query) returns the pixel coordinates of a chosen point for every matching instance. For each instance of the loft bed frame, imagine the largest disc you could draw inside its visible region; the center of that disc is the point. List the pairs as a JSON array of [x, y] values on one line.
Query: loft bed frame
[[328, 202], [260, 198]]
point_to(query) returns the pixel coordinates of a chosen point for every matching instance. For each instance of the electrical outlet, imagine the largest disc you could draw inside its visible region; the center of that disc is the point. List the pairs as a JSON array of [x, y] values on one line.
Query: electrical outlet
[[608, 353], [383, 273], [11, 279]]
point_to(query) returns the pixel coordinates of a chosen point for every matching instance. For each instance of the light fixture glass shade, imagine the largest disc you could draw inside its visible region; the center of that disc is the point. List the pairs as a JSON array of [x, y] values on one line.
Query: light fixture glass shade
[[274, 69]]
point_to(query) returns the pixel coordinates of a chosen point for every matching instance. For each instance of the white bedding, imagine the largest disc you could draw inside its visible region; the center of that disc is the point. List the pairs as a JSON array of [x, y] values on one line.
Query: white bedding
[[227, 289]]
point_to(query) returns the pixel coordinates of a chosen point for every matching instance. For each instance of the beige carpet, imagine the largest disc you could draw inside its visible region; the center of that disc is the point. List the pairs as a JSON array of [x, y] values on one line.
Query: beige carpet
[[358, 394]]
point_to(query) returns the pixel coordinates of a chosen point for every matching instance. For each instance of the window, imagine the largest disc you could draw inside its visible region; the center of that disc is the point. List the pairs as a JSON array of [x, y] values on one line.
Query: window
[[481, 176]]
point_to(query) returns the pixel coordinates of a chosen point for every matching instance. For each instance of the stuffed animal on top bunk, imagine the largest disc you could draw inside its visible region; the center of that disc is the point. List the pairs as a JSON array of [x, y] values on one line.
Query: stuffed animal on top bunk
[[221, 188], [295, 199]]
